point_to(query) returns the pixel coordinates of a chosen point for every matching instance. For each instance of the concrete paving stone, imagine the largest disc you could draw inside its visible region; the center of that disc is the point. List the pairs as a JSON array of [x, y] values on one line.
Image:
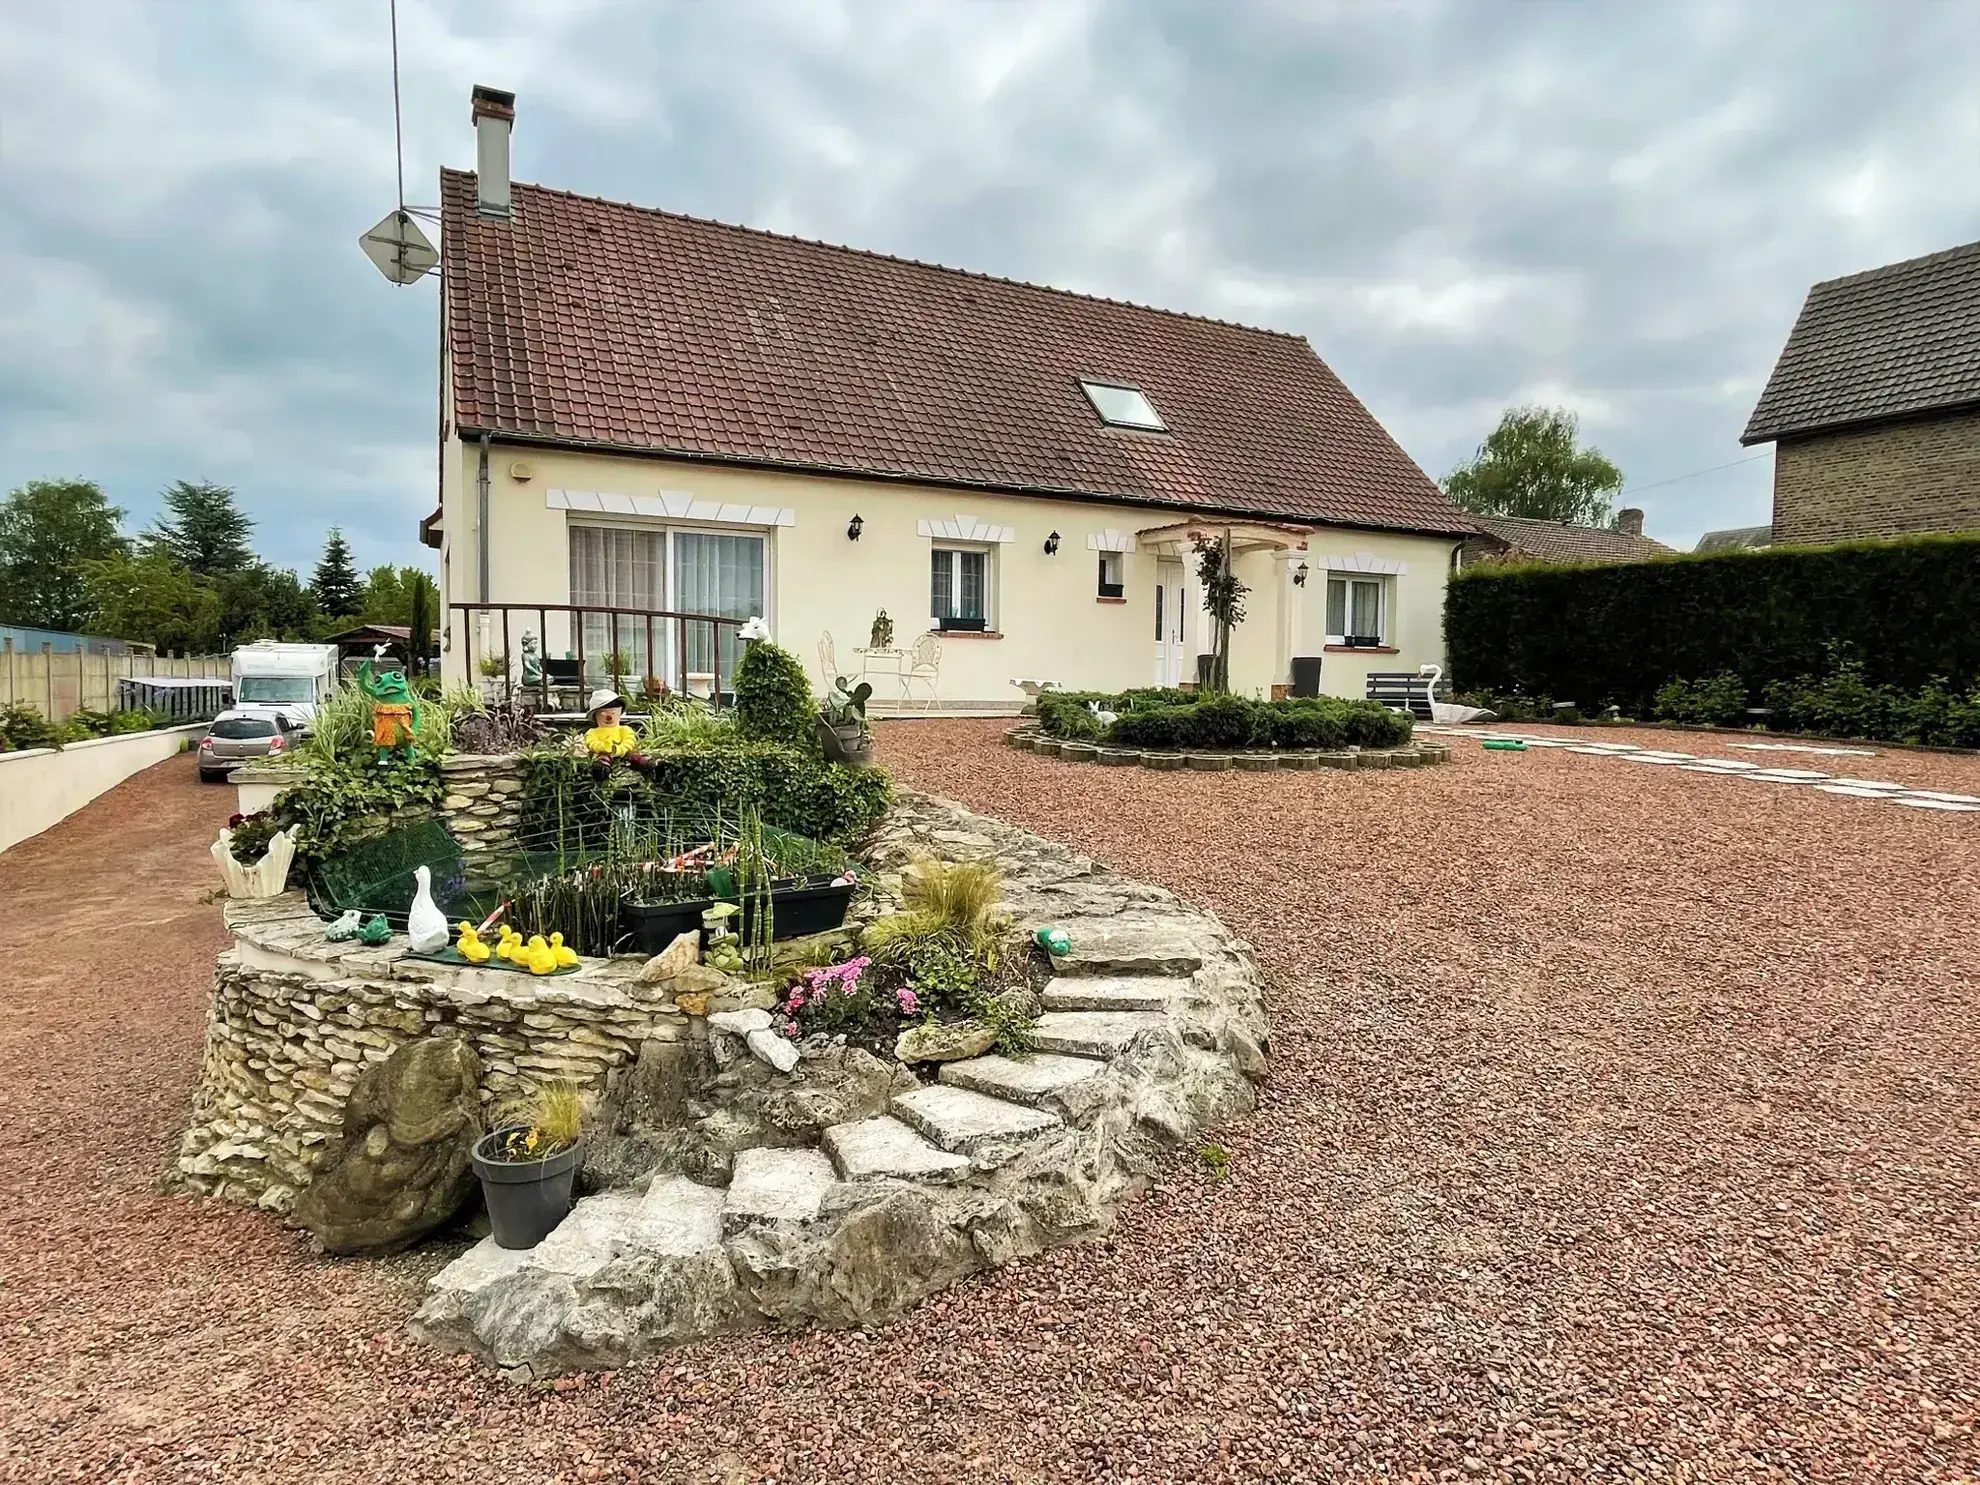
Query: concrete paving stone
[[962, 1121], [884, 1147], [1032, 1080]]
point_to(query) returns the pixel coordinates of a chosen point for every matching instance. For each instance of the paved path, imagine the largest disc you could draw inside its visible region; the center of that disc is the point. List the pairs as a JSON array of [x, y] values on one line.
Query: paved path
[[1622, 1124]]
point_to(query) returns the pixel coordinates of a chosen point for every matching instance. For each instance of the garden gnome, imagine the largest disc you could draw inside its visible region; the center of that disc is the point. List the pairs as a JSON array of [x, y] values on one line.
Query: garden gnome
[[609, 740], [394, 708]]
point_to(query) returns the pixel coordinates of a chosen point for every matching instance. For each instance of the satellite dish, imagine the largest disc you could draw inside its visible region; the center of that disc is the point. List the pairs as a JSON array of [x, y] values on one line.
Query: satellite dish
[[401, 251]]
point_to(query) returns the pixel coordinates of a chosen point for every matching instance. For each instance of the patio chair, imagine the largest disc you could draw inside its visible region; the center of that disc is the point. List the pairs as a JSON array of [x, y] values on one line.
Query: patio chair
[[828, 660], [924, 667]]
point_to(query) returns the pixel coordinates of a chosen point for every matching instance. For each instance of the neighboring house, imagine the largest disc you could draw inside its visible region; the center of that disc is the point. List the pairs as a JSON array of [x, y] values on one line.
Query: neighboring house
[[1736, 539], [361, 642], [1874, 407], [1518, 539], [647, 412]]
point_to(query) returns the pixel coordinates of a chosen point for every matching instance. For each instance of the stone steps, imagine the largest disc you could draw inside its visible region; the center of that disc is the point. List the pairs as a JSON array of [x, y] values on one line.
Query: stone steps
[[1129, 945], [1092, 1033], [776, 1186], [963, 1121], [1031, 1081], [1109, 993], [883, 1147]]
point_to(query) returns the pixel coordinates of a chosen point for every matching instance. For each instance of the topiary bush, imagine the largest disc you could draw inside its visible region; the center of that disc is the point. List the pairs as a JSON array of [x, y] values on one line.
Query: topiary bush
[[1231, 722], [773, 698], [1158, 727], [1067, 715], [1223, 721]]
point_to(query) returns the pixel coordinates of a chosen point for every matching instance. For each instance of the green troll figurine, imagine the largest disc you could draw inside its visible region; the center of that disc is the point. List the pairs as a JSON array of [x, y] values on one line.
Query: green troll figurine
[[394, 708]]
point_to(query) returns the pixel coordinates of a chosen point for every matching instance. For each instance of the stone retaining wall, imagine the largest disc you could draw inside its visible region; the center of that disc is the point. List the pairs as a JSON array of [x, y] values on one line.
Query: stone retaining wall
[[293, 1020], [481, 809]]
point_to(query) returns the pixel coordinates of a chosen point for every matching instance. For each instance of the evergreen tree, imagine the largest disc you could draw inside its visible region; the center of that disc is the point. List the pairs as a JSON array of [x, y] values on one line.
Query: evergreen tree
[[335, 586], [1532, 466], [202, 530], [50, 531]]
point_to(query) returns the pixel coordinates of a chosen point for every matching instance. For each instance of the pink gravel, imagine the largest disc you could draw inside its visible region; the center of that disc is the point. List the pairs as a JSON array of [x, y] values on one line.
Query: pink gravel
[[1623, 1123]]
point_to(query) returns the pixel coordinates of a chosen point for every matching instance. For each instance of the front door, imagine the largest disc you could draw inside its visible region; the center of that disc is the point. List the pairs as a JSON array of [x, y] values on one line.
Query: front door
[[1171, 623]]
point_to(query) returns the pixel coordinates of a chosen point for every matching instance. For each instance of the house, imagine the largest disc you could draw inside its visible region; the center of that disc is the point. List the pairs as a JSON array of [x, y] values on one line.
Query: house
[[645, 415], [1736, 539], [1522, 539], [1519, 539], [1874, 406], [362, 641]]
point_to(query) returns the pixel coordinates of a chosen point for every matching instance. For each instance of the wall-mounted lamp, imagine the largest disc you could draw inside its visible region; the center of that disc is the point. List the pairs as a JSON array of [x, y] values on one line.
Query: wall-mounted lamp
[[1299, 576], [853, 528], [1052, 545]]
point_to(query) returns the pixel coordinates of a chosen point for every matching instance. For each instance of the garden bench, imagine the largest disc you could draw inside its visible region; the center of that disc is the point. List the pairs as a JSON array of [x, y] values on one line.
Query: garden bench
[[1407, 691]]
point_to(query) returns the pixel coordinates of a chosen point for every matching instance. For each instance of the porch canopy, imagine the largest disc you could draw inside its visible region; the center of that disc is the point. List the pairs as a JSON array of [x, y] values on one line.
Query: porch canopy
[[1178, 539]]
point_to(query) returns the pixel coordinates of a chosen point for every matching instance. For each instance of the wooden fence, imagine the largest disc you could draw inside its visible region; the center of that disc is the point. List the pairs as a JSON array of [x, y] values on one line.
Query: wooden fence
[[60, 683]]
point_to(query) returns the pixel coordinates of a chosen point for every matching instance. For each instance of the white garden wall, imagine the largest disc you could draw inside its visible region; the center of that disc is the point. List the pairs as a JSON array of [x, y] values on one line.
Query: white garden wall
[[40, 786]]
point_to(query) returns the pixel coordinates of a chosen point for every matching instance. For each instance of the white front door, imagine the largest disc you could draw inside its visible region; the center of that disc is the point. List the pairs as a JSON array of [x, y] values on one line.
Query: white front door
[[1171, 623]]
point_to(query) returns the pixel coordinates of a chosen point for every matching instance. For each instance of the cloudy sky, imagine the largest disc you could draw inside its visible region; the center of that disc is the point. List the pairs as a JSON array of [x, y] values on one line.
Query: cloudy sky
[[1613, 207]]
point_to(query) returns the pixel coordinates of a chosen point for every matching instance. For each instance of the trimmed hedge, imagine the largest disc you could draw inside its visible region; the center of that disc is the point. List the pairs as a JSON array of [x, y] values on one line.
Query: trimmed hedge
[[1601, 636], [1231, 722]]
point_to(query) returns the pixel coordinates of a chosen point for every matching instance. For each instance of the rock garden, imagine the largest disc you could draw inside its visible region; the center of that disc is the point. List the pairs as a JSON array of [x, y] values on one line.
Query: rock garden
[[705, 1027]]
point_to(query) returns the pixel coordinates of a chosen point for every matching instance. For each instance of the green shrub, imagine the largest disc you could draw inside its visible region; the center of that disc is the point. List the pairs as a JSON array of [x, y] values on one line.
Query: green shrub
[[1158, 727], [1232, 722], [22, 727], [1620, 633], [1718, 702], [1067, 714], [1223, 721], [773, 697]]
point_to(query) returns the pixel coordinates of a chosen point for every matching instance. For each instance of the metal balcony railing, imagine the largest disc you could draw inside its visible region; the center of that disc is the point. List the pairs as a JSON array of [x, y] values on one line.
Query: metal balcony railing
[[556, 654]]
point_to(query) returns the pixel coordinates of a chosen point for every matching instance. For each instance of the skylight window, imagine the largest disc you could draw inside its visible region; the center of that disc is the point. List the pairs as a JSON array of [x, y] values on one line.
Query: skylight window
[[1122, 407]]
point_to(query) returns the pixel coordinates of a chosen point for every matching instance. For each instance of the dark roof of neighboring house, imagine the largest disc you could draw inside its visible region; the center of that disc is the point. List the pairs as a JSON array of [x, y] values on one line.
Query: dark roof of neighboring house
[[373, 634], [1733, 538], [1896, 341], [1557, 541], [588, 322]]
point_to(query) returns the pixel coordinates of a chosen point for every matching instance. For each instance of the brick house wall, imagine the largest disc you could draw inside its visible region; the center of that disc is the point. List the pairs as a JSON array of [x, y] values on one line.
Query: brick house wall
[[1890, 481]]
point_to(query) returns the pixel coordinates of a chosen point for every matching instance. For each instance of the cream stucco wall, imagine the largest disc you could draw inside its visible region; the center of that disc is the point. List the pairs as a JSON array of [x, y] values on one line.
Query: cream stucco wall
[[40, 787], [1046, 609]]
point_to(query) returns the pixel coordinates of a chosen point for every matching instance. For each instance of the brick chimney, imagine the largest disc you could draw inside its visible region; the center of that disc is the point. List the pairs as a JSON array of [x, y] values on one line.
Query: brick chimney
[[1629, 521], [494, 113]]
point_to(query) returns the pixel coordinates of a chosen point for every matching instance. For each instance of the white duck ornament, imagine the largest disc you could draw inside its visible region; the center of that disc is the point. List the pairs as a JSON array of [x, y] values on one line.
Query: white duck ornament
[[426, 925]]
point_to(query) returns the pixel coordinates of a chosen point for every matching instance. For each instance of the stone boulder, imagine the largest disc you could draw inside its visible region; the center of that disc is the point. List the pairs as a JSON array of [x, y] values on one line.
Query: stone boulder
[[940, 1041], [401, 1169]]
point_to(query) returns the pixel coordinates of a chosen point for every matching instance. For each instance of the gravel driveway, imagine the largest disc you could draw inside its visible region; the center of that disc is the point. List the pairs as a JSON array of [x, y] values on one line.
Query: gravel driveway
[[1623, 1123]]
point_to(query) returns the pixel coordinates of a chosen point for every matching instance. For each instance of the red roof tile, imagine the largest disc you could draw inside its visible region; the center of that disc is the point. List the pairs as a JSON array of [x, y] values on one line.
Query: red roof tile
[[591, 322]]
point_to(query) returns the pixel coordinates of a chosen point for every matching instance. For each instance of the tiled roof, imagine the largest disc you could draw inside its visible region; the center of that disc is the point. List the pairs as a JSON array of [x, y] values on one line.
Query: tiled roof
[[1899, 340], [590, 322], [1734, 538], [1557, 541]]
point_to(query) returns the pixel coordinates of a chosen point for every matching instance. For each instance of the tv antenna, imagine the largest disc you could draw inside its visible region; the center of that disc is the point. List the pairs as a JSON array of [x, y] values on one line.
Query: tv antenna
[[403, 253]]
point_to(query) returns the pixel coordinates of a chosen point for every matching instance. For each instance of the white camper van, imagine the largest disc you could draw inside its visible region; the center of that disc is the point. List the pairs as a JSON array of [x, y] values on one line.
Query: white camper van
[[271, 676]]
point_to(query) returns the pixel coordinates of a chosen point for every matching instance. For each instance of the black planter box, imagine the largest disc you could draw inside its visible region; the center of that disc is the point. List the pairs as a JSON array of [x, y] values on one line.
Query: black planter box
[[797, 908], [654, 925]]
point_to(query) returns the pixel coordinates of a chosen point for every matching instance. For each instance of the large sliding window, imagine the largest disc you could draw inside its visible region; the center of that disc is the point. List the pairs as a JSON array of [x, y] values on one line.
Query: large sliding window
[[701, 572]]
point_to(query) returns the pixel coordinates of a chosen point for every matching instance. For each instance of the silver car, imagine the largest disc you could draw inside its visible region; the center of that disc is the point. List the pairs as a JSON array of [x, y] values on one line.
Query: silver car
[[234, 737]]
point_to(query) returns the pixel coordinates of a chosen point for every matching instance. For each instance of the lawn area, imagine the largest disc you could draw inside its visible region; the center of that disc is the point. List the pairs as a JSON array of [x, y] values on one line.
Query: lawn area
[[1623, 1123]]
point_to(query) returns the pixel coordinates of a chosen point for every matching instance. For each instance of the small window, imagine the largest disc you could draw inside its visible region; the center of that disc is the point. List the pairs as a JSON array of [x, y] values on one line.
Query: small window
[[235, 729], [1357, 611], [959, 588], [1113, 583], [1123, 407]]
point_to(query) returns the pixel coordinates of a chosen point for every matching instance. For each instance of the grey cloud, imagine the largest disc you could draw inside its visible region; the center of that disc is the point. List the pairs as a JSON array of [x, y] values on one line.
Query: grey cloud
[[1460, 204]]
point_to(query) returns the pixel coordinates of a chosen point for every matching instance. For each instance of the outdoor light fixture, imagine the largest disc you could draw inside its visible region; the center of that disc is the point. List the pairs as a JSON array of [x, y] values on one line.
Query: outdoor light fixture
[[853, 528], [1052, 545], [1299, 576]]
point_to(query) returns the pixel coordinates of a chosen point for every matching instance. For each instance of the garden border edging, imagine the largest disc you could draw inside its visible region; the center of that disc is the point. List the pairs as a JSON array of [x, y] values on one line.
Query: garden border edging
[[1417, 754]]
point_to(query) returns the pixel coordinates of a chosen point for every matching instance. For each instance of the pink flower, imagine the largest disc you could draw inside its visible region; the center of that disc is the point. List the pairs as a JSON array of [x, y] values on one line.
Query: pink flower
[[791, 1030], [907, 1000], [796, 1002]]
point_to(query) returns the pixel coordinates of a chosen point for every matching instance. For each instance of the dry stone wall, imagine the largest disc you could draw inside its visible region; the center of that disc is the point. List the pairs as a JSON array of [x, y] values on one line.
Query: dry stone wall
[[294, 1020]]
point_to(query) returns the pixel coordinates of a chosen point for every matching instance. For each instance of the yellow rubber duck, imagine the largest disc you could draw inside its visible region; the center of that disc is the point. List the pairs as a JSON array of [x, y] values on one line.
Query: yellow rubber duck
[[509, 943], [470, 947], [539, 958], [565, 957]]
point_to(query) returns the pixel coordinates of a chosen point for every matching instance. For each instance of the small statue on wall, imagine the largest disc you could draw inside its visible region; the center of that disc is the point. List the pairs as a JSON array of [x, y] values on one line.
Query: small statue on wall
[[883, 631], [394, 708]]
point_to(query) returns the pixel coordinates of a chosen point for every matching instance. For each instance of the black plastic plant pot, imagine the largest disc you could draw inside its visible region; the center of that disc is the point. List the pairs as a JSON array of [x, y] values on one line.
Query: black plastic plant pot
[[654, 925], [802, 908], [526, 1198]]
